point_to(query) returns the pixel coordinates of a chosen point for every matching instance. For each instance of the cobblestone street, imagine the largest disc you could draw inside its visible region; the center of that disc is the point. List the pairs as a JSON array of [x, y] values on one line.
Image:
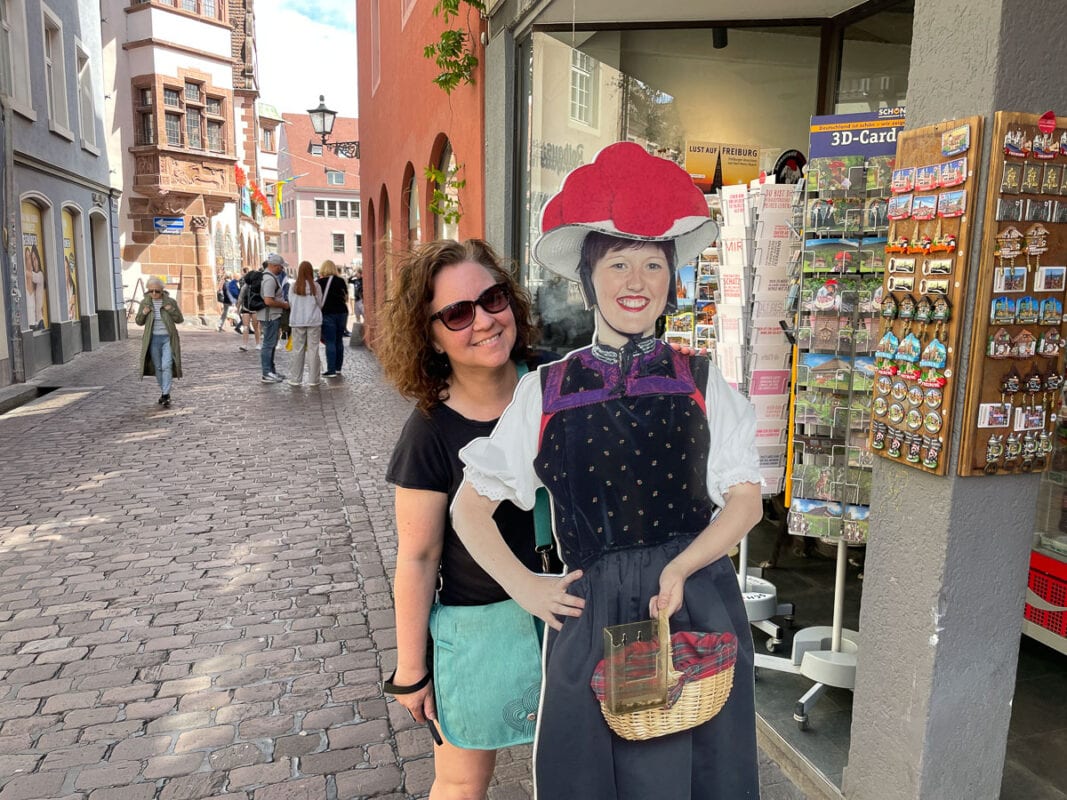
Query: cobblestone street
[[195, 601]]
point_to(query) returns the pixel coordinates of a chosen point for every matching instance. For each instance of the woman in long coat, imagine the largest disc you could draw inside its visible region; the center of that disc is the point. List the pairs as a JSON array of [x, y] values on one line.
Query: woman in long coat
[[161, 351]]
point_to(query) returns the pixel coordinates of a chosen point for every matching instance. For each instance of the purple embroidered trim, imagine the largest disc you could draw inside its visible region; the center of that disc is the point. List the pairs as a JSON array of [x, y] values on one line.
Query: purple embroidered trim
[[554, 400]]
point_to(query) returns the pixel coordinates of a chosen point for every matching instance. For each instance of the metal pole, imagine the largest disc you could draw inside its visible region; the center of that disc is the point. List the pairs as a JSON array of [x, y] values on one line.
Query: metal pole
[[839, 595]]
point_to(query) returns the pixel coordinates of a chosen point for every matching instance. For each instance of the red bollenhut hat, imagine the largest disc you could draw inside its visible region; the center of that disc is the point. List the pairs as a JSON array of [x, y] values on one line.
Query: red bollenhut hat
[[627, 193]]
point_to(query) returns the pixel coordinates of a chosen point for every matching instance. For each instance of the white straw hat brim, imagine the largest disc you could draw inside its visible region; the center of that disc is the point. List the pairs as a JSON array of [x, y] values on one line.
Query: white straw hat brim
[[559, 250]]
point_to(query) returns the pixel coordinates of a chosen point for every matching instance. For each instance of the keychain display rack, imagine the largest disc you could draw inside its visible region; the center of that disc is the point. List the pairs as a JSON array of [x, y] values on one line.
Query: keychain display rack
[[930, 214], [1016, 358]]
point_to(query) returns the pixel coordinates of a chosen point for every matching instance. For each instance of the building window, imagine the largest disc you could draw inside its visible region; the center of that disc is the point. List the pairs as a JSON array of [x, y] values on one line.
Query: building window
[[86, 100], [205, 8], [214, 137], [335, 177], [192, 129], [174, 129], [267, 135], [354, 205], [14, 50], [55, 71], [359, 242], [214, 106], [338, 242], [320, 208], [192, 92], [583, 88], [316, 150], [375, 45], [146, 133], [172, 97], [145, 96]]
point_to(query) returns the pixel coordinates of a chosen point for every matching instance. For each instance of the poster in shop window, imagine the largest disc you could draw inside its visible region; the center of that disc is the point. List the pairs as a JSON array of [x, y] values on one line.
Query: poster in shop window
[[70, 266], [33, 262], [713, 165]]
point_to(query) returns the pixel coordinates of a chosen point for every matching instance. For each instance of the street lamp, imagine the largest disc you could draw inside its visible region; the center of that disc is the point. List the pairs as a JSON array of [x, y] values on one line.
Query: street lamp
[[322, 119]]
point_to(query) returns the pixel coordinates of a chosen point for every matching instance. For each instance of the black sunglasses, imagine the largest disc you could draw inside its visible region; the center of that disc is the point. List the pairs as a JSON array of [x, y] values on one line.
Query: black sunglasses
[[458, 316]]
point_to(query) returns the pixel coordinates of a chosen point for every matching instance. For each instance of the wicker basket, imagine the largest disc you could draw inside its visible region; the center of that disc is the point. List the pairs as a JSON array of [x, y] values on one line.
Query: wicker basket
[[699, 701]]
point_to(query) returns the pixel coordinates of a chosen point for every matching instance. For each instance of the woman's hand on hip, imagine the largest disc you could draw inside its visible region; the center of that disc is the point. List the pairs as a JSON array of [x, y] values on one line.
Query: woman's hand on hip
[[545, 596]]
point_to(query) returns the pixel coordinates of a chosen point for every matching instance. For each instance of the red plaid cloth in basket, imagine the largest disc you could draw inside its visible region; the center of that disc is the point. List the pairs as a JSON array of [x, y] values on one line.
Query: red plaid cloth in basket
[[696, 656]]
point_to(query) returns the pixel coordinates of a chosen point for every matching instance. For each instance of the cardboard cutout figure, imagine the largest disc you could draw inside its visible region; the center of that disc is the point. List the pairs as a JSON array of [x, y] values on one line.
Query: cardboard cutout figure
[[649, 459]]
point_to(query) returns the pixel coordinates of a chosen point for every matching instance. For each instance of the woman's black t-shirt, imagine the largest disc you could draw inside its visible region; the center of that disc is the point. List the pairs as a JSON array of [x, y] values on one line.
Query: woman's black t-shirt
[[427, 457], [334, 301]]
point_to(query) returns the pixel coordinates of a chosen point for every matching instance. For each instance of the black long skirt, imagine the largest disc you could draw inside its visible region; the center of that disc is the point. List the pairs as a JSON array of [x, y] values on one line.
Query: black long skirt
[[577, 755]]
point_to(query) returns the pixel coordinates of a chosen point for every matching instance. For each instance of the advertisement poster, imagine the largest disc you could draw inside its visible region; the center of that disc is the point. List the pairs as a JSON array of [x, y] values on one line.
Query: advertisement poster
[[36, 269], [70, 266], [713, 165]]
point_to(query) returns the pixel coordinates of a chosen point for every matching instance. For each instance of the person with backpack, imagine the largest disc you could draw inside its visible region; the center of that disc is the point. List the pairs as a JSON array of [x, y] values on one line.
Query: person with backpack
[[356, 282], [270, 314], [248, 315]]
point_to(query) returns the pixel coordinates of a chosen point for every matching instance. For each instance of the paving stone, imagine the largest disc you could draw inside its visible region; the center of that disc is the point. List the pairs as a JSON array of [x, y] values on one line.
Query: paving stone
[[114, 773], [370, 781], [303, 789], [173, 766], [299, 745], [203, 701], [32, 787], [238, 755], [142, 791], [141, 748], [150, 708], [202, 738], [193, 787], [258, 774]]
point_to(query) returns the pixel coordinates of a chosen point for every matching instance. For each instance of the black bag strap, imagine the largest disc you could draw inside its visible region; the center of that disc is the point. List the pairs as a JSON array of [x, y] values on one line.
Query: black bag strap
[[542, 512]]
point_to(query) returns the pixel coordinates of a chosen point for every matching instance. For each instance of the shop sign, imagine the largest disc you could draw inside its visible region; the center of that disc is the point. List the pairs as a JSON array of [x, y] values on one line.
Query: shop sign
[[868, 134], [712, 165]]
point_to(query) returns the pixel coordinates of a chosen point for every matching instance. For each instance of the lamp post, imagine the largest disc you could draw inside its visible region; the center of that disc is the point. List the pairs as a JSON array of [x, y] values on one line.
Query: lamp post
[[322, 119]]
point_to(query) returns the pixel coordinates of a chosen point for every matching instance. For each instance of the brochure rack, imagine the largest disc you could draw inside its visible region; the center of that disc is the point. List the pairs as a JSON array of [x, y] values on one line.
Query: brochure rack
[[753, 352]]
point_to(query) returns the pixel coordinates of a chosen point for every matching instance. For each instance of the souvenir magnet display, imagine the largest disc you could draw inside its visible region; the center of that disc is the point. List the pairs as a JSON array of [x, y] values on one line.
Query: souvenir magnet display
[[1022, 281]]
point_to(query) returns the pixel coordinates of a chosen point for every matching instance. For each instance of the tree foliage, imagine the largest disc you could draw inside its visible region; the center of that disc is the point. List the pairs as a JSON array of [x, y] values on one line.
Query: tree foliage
[[454, 52]]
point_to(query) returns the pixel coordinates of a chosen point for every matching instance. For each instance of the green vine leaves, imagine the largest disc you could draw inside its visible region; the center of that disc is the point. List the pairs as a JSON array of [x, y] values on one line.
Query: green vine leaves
[[444, 202], [454, 53]]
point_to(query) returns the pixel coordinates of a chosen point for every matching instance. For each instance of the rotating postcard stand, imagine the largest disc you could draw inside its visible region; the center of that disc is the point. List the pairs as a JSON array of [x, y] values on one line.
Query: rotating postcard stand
[[826, 655], [755, 247]]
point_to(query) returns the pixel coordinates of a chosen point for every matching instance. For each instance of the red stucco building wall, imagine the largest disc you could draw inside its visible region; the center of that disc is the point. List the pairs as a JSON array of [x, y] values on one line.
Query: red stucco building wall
[[405, 122]]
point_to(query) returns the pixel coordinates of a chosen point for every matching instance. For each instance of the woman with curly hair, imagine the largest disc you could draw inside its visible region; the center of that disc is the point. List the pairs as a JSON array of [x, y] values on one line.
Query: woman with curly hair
[[455, 333]]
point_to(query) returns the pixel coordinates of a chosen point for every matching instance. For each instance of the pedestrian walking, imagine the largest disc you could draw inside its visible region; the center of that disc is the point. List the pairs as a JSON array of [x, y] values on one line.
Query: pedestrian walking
[[650, 460], [305, 323], [161, 352], [233, 291], [455, 333], [223, 297], [249, 320], [356, 288], [334, 316]]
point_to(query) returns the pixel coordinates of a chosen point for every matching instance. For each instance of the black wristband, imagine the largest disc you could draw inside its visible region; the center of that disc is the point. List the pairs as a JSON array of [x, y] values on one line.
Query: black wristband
[[391, 688]]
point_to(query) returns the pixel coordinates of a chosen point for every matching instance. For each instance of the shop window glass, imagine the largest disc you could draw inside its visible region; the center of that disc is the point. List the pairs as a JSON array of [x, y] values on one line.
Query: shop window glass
[[875, 58], [413, 210], [659, 88]]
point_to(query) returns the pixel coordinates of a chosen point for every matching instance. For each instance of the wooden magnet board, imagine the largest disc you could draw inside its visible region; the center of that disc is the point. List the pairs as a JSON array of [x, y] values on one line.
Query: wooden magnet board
[[930, 211], [1016, 357]]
